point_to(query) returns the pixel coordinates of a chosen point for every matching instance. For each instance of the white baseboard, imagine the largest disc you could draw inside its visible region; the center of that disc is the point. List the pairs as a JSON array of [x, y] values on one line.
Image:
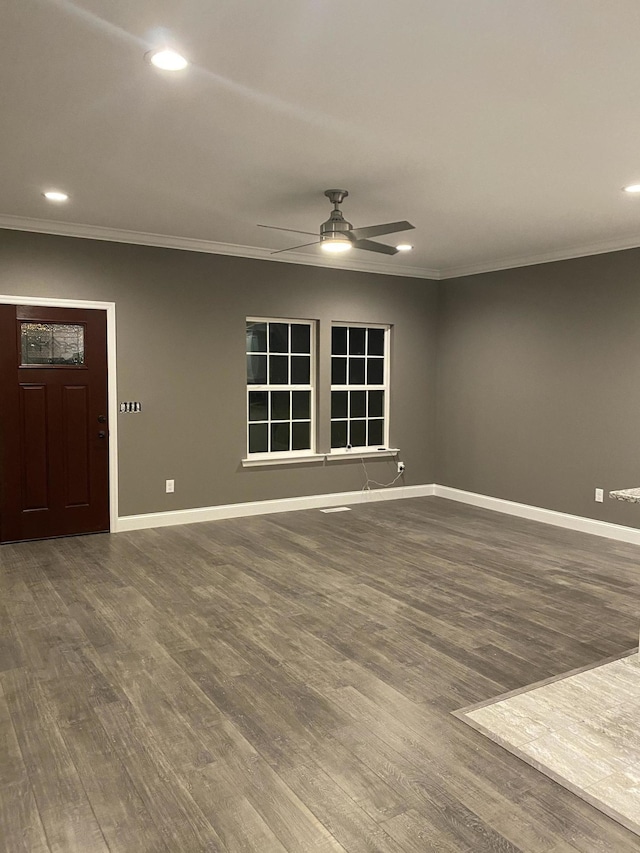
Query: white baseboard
[[546, 516], [216, 513]]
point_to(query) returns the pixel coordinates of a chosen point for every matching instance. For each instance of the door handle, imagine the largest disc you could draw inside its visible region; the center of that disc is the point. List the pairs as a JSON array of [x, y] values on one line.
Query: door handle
[[102, 434]]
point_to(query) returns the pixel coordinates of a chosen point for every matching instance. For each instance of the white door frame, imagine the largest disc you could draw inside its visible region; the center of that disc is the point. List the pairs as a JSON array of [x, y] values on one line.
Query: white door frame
[[112, 386]]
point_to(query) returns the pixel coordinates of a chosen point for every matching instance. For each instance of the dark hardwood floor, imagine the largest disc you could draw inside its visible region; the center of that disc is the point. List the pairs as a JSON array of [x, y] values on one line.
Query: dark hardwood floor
[[285, 683]]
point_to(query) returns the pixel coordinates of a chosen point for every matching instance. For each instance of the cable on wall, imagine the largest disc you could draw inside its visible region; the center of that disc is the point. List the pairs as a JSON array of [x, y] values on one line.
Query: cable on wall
[[369, 482]]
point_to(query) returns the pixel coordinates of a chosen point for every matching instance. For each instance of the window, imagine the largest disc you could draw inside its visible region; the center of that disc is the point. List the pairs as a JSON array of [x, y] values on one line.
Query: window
[[280, 381], [359, 386], [51, 343]]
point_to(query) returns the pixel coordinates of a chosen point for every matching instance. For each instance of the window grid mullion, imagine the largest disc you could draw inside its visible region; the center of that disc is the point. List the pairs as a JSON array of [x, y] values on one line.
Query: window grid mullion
[[342, 367], [267, 423]]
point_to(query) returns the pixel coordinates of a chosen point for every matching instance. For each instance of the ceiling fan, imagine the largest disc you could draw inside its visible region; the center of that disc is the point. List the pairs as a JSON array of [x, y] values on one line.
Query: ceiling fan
[[338, 235]]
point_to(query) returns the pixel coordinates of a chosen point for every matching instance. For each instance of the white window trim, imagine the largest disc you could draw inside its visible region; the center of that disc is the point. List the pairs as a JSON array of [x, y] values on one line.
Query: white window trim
[[302, 457], [280, 456], [369, 450], [360, 452]]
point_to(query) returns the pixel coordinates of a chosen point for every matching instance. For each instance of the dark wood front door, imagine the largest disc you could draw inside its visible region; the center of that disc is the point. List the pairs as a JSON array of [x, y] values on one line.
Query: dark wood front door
[[54, 434]]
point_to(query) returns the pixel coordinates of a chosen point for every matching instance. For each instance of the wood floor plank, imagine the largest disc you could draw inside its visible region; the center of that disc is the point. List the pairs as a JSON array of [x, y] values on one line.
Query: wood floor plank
[[20, 825], [176, 816], [284, 683], [68, 819], [119, 808], [239, 825], [12, 768], [343, 817]]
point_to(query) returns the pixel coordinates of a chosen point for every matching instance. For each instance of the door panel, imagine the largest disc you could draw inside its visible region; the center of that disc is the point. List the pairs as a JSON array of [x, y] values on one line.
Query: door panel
[[77, 463], [54, 439], [33, 428]]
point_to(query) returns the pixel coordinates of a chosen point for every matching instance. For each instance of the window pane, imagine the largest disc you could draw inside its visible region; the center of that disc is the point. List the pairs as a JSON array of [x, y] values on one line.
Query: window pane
[[300, 338], [376, 404], [300, 369], [279, 355], [339, 340], [338, 404], [279, 437], [258, 406], [256, 369], [301, 405], [376, 430], [52, 343], [280, 404], [356, 341], [256, 337], [300, 436], [258, 438], [375, 371], [357, 433], [358, 404], [278, 337], [356, 371], [278, 370], [338, 371], [375, 341], [338, 433]]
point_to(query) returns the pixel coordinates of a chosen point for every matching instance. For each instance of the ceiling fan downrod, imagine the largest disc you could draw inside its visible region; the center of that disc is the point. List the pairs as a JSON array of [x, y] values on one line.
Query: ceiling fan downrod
[[336, 225]]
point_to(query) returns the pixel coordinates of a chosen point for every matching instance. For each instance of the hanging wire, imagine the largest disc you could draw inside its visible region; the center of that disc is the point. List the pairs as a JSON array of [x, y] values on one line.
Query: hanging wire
[[369, 482]]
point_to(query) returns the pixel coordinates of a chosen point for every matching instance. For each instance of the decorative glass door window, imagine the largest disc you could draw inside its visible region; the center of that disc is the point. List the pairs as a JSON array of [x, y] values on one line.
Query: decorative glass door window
[[280, 372], [359, 386], [51, 343]]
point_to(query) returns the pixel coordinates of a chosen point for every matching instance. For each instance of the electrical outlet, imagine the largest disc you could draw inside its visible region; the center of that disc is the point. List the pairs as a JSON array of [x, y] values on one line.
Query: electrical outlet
[[599, 495], [170, 486], [401, 467]]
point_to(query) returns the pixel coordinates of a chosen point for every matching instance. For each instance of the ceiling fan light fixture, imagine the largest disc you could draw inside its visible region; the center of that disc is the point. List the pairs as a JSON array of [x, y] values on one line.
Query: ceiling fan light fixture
[[335, 245], [404, 247], [166, 59]]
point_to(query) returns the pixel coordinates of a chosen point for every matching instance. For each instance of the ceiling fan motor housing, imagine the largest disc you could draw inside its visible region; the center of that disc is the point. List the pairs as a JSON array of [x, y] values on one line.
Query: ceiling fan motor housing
[[336, 225]]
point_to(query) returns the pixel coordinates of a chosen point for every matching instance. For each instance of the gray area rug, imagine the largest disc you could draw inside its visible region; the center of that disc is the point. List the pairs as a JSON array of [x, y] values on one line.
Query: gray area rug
[[581, 729]]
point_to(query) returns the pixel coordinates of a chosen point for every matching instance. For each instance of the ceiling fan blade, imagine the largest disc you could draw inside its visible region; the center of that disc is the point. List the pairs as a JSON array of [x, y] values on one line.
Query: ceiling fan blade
[[379, 230], [370, 246], [292, 230], [291, 248]]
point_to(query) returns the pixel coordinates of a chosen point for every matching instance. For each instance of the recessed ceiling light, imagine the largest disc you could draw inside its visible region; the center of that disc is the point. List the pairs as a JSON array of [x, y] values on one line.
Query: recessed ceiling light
[[632, 188], [167, 60], [404, 247], [55, 195]]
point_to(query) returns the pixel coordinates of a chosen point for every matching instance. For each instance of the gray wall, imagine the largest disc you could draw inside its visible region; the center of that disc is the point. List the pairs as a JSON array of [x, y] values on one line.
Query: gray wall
[[539, 384], [180, 339], [538, 371]]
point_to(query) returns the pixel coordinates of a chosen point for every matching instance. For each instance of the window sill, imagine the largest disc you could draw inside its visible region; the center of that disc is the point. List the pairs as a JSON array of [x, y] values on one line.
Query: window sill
[[281, 459], [259, 461], [356, 454]]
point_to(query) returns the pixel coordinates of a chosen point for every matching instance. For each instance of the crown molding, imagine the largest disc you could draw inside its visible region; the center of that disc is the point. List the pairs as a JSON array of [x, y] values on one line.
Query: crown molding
[[189, 244], [619, 244]]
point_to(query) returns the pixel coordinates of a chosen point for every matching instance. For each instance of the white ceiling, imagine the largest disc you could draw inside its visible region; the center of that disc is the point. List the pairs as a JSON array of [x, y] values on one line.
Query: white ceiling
[[503, 129]]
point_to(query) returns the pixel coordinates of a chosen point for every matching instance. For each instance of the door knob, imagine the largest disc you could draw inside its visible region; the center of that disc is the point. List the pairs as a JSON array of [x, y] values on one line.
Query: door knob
[[102, 434]]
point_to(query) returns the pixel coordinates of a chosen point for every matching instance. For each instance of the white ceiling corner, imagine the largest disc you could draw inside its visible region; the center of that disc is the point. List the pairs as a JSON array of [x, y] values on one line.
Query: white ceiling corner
[[503, 131]]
